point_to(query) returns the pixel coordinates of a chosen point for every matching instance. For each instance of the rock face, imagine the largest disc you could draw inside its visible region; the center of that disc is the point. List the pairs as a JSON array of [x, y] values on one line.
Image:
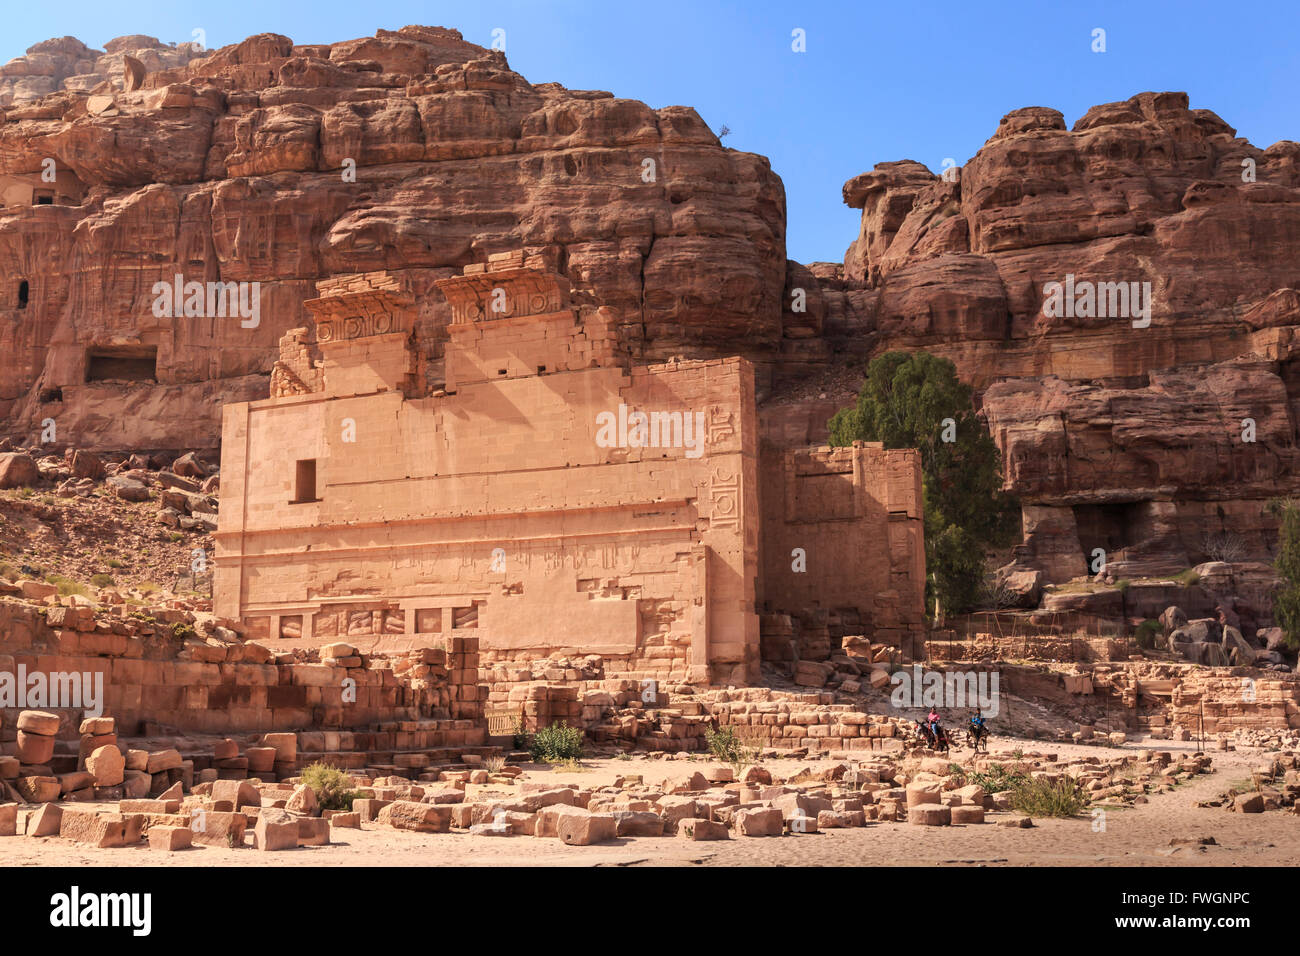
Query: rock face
[[1156, 434], [280, 164], [68, 64]]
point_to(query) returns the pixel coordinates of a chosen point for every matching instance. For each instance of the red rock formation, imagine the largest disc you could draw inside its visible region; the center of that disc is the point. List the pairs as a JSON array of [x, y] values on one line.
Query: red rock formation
[[236, 167], [1133, 438], [233, 166]]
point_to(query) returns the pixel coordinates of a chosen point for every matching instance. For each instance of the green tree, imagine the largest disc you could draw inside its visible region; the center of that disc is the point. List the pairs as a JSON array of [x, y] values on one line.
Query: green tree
[[915, 400], [1286, 607]]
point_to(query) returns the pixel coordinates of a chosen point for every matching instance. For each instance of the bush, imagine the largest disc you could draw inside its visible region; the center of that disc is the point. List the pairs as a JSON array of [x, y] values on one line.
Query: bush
[[998, 778], [724, 744], [915, 400], [1146, 633], [727, 747], [67, 586], [333, 788], [556, 743], [1045, 798], [102, 580], [1188, 578]]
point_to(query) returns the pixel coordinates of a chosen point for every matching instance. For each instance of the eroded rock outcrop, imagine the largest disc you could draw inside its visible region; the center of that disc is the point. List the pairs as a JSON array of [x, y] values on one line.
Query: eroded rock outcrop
[[1145, 434], [280, 164], [1150, 428]]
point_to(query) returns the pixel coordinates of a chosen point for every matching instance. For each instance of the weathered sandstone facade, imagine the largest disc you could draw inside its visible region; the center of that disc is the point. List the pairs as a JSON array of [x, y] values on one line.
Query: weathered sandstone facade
[[553, 495]]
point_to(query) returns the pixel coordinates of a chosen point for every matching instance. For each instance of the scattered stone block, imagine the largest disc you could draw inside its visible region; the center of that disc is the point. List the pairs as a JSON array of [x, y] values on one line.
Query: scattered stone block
[[98, 829], [303, 800], [275, 829], [174, 792], [137, 759], [170, 839], [107, 766], [421, 817], [313, 831], [39, 722], [696, 828], [98, 726], [34, 749], [800, 822], [919, 794], [260, 759], [217, 828], [285, 745], [759, 822], [548, 819], [161, 760], [38, 789], [369, 808], [638, 823], [929, 815], [236, 793], [136, 783], [575, 829], [45, 821], [1249, 802]]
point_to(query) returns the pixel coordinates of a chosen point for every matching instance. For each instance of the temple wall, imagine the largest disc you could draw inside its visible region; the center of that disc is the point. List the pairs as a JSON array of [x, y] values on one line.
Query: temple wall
[[553, 497], [499, 507]]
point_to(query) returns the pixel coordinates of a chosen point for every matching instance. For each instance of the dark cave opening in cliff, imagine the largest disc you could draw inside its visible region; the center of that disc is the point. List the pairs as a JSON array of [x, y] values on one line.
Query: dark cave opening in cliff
[[122, 364], [1110, 527], [23, 292]]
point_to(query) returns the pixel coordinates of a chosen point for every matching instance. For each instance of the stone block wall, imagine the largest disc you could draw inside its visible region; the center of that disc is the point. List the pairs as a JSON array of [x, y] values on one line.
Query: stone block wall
[[153, 677]]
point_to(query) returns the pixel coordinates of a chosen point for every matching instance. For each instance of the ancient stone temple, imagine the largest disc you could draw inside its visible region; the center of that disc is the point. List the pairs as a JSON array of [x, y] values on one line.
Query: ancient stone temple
[[553, 495]]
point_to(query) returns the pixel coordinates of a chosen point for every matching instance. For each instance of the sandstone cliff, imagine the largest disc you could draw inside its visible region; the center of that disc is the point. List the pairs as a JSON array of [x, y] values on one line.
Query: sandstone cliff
[[1156, 438], [1158, 441], [236, 166]]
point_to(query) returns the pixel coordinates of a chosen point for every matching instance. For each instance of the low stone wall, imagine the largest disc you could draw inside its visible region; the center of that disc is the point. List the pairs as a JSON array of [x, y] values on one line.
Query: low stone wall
[[157, 671], [1047, 647], [768, 718]]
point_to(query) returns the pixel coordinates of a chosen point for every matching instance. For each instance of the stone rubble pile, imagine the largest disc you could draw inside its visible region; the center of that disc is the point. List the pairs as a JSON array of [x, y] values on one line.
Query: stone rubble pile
[[1273, 785], [185, 488], [161, 798]]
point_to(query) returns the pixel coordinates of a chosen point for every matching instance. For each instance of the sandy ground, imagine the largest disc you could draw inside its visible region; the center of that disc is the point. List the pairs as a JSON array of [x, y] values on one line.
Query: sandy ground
[[1137, 836]]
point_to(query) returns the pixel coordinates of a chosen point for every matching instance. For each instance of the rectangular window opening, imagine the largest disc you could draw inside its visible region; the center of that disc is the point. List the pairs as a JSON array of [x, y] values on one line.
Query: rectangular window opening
[[126, 364], [305, 482]]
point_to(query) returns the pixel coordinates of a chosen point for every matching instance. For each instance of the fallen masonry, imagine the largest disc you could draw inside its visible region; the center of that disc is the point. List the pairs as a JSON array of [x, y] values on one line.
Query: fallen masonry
[[710, 801]]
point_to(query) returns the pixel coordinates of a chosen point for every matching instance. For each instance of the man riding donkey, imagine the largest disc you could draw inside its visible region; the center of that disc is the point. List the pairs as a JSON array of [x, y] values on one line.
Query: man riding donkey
[[978, 731]]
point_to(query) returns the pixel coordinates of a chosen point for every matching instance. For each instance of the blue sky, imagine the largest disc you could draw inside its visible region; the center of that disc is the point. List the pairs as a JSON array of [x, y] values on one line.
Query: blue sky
[[878, 81]]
